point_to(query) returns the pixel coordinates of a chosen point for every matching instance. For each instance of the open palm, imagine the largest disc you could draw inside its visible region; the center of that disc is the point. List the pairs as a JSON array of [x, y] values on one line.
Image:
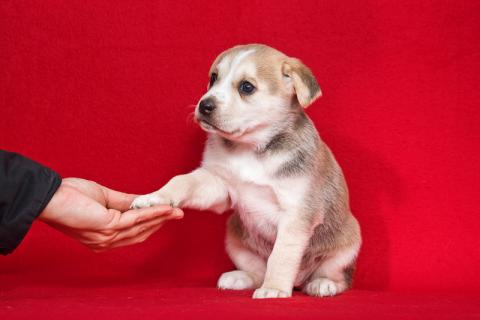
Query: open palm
[[100, 217]]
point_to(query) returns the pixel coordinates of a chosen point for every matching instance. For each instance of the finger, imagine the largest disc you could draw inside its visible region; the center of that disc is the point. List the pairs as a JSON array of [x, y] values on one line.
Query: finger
[[106, 236], [133, 217], [98, 241], [116, 229], [117, 200], [139, 238], [141, 228]]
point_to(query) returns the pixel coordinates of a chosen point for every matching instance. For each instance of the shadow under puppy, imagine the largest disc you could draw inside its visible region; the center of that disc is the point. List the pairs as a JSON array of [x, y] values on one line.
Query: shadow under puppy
[[292, 225]]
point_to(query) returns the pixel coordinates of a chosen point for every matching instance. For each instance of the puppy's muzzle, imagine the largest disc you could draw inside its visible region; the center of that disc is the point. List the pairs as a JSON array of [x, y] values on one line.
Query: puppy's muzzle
[[206, 107]]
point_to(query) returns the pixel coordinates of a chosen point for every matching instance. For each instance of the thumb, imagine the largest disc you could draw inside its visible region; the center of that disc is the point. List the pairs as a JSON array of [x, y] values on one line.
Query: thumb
[[117, 200]]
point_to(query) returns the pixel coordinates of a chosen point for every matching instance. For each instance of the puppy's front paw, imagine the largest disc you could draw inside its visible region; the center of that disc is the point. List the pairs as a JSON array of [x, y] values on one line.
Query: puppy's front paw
[[265, 293], [322, 287], [149, 200], [236, 280]]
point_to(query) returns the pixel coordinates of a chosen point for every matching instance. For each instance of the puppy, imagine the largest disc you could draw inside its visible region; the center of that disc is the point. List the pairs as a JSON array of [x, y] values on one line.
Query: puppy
[[292, 225]]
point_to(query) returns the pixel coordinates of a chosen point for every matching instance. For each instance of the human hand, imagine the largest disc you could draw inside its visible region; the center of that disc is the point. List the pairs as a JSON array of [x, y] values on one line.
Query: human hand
[[100, 218]]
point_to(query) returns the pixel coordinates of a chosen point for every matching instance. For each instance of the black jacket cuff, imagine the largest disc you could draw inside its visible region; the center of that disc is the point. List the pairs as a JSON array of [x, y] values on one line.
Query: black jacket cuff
[[26, 188]]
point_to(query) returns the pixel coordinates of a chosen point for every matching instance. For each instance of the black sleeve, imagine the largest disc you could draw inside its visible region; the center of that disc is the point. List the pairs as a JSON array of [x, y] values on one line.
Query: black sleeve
[[26, 187]]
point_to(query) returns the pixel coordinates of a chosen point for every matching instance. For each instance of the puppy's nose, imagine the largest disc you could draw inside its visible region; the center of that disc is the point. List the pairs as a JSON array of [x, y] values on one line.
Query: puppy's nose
[[206, 106]]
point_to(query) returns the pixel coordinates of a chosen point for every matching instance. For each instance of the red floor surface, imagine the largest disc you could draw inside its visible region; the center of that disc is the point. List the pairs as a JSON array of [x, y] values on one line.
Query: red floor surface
[[166, 301], [104, 90]]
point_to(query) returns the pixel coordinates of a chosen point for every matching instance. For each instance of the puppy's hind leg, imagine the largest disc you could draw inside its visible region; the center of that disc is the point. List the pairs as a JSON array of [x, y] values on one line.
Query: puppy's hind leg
[[334, 275], [251, 267]]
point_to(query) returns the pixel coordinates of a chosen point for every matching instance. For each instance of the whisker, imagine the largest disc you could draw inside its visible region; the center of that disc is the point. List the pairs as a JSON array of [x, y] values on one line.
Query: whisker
[[191, 118]]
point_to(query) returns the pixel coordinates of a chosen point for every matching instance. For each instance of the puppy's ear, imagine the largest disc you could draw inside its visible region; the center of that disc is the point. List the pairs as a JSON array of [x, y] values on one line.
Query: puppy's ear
[[298, 75]]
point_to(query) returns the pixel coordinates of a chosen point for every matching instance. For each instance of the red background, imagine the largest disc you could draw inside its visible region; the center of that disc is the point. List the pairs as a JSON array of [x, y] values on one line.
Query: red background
[[103, 90]]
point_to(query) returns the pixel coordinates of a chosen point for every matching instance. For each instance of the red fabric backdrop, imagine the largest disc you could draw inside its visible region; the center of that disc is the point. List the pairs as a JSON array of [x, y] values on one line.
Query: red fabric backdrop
[[103, 90]]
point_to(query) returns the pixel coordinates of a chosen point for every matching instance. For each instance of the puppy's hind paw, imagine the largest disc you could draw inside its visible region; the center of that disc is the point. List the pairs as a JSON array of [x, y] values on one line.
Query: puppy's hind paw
[[236, 280], [322, 287]]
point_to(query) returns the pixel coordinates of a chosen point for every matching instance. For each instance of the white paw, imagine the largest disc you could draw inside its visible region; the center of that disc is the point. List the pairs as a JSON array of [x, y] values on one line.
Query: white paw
[[236, 280], [322, 287], [265, 293], [149, 200]]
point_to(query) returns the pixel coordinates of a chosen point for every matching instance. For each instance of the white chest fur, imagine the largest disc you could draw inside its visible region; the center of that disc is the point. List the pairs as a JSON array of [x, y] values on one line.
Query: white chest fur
[[260, 198]]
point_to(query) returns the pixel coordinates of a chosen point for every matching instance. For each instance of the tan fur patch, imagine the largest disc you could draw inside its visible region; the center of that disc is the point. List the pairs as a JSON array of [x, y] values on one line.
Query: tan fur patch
[[230, 53], [304, 82], [267, 60]]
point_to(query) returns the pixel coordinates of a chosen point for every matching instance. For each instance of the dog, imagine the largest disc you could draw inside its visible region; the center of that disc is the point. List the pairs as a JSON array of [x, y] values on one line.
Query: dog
[[292, 226]]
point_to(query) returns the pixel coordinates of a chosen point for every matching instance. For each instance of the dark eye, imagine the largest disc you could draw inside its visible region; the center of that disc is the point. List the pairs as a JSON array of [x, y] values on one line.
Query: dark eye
[[246, 87], [213, 78]]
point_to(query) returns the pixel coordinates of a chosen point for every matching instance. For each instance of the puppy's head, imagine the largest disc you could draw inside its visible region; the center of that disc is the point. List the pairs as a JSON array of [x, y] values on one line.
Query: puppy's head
[[252, 89]]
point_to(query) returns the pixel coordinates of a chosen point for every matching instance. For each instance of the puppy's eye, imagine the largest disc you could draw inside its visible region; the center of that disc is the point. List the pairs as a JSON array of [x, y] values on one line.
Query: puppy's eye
[[213, 78], [246, 87]]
